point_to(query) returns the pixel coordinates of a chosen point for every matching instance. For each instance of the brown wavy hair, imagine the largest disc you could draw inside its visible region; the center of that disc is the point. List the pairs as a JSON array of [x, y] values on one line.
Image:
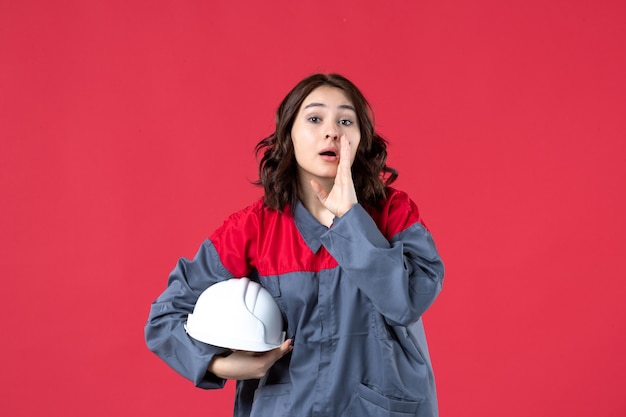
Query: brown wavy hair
[[278, 173]]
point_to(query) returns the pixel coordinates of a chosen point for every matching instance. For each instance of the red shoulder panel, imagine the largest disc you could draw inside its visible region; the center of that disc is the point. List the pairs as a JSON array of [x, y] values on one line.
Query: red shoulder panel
[[398, 213], [269, 241], [262, 238]]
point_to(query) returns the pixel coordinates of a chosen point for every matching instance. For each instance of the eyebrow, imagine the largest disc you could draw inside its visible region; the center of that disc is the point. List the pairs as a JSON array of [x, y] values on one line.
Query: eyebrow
[[342, 106]]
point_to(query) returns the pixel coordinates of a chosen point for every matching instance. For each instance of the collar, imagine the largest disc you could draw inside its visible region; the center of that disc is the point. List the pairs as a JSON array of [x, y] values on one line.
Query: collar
[[308, 226]]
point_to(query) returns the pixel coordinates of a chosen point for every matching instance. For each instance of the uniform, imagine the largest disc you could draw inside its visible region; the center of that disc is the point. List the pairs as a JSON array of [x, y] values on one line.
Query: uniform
[[351, 295]]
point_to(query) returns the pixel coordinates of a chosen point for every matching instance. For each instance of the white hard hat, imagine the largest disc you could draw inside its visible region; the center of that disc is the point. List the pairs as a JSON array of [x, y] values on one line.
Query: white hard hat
[[237, 314]]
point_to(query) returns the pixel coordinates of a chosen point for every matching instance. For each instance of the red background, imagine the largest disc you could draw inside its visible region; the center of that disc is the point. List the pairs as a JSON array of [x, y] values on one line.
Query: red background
[[127, 133]]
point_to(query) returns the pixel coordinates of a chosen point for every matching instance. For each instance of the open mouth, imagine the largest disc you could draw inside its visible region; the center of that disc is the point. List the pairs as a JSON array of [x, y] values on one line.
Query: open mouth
[[328, 153]]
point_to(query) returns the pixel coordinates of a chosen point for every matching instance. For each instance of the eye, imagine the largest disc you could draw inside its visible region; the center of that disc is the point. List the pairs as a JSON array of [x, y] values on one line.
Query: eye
[[314, 119], [345, 122]]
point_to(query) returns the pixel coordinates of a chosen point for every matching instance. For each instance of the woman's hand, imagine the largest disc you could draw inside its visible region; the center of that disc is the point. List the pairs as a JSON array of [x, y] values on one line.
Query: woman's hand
[[242, 365], [342, 196]]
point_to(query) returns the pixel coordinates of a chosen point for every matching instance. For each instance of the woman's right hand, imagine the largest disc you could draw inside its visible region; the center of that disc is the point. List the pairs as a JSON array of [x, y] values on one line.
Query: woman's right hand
[[242, 365]]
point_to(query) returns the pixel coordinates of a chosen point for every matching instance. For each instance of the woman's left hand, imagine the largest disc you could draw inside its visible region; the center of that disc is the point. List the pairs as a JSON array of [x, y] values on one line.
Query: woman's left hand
[[342, 196]]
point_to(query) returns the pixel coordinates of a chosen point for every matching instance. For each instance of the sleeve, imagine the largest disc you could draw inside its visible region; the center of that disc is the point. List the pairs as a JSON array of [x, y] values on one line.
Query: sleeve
[[401, 276], [164, 331]]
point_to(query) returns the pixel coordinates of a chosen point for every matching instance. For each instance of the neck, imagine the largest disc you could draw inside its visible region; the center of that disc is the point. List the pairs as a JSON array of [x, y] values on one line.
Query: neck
[[313, 204]]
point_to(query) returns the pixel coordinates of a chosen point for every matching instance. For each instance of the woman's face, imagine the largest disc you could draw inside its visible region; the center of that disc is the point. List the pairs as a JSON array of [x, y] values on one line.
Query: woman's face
[[325, 115]]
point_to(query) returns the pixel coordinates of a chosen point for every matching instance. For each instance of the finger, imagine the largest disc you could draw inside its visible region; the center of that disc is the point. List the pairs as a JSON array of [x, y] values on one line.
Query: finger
[[344, 154], [285, 348], [275, 354]]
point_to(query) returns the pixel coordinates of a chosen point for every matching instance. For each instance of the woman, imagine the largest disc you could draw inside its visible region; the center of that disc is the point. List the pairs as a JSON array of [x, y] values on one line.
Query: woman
[[347, 259]]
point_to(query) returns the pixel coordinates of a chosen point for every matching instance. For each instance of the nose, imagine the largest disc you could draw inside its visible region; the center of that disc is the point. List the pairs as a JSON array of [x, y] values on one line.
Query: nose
[[332, 132]]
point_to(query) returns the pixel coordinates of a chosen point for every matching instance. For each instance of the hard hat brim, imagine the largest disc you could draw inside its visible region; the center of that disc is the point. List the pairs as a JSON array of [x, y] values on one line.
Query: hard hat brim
[[230, 342]]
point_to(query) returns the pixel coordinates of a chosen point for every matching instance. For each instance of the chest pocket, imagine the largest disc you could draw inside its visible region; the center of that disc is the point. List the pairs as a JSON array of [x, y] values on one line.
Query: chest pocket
[[296, 294], [271, 284]]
